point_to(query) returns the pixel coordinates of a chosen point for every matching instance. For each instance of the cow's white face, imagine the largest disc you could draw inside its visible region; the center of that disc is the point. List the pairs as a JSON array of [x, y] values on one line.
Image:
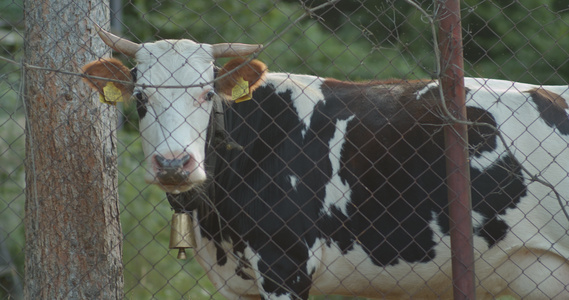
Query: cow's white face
[[176, 108], [174, 92]]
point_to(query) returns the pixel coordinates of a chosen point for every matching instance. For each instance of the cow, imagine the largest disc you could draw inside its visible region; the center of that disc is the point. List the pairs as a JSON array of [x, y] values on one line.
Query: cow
[[299, 185]]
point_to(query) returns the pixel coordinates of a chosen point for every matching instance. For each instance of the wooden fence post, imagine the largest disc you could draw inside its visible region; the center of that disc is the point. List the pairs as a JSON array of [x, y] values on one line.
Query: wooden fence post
[[73, 233]]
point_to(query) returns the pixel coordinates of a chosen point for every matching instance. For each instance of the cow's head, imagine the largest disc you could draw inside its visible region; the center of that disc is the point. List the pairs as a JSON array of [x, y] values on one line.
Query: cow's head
[[174, 91]]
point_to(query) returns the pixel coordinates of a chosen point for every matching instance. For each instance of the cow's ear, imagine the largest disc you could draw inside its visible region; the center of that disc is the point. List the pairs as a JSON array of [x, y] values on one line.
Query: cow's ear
[[111, 69], [243, 79]]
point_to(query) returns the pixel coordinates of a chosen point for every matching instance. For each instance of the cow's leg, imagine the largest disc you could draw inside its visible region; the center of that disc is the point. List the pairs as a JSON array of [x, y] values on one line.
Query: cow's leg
[[283, 274]]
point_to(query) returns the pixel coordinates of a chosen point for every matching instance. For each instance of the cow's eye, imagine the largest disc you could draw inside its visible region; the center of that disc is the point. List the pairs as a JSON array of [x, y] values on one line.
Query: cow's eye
[[209, 96], [141, 101]]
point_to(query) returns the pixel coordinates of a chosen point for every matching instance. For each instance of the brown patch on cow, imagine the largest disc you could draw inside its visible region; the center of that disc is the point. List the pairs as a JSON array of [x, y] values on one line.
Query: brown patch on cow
[[552, 109], [112, 69], [403, 81], [554, 98], [253, 72], [391, 97], [384, 93], [335, 83]]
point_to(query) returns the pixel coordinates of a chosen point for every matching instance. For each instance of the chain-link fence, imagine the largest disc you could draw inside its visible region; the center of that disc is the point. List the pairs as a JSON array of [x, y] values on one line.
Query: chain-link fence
[[332, 186]]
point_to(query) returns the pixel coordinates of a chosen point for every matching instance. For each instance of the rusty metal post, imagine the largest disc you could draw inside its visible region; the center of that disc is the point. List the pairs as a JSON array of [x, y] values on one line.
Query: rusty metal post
[[456, 149]]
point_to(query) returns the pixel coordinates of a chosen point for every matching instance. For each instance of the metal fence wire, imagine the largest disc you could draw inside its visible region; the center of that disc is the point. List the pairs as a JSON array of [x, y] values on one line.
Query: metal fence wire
[[289, 184]]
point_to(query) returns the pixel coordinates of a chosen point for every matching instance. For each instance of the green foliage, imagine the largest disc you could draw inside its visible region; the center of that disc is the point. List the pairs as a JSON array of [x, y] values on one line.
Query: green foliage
[[363, 40], [514, 40], [350, 53], [521, 41], [11, 11]]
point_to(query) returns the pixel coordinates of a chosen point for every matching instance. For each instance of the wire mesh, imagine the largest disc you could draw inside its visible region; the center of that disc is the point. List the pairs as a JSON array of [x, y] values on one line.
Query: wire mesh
[[517, 41]]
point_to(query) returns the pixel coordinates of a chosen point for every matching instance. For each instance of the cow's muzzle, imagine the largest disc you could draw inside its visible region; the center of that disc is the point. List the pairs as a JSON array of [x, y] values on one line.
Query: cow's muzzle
[[174, 171]]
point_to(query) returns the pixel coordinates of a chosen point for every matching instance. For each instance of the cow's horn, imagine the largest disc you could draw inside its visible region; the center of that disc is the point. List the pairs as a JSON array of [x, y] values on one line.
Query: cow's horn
[[121, 45], [234, 49]]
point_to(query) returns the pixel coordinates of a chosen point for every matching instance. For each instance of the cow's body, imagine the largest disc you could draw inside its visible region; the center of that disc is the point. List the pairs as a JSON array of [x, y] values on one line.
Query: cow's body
[[339, 187]]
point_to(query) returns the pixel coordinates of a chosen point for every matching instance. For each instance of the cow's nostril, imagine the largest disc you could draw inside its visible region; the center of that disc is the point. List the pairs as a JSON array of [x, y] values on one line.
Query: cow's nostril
[[185, 159], [173, 163], [173, 171], [161, 160]]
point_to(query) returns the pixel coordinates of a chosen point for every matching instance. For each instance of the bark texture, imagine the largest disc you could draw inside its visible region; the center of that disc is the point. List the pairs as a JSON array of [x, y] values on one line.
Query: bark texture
[[73, 233]]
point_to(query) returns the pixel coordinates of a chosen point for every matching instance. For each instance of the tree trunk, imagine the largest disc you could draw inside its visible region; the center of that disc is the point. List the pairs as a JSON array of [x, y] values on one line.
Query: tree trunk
[[73, 233]]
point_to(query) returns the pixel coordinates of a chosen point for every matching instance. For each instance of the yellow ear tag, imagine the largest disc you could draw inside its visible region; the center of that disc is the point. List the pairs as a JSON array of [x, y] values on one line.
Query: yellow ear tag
[[111, 94], [240, 91]]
